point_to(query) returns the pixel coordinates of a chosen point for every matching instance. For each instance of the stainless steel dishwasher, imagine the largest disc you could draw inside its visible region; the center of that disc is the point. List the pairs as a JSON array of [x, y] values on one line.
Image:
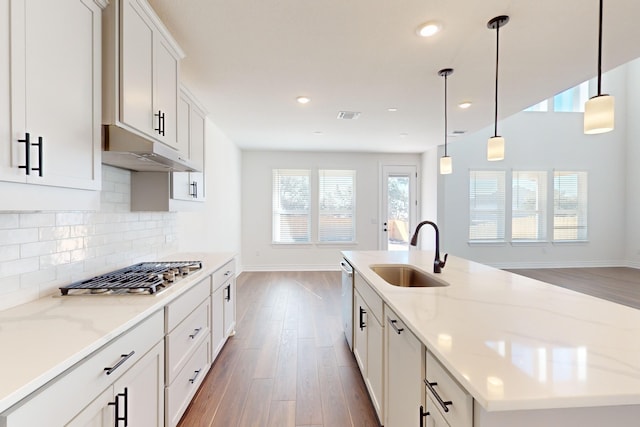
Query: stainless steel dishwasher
[[347, 301]]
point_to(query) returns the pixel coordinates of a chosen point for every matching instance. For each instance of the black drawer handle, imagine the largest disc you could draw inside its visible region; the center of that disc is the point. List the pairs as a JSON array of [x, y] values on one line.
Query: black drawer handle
[[362, 324], [442, 403], [423, 415], [228, 297], [124, 358], [228, 273], [195, 332], [193, 379], [393, 322]]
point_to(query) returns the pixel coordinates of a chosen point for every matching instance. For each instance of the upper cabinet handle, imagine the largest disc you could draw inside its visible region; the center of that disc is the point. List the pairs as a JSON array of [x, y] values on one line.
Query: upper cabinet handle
[[27, 142], [39, 168], [160, 128]]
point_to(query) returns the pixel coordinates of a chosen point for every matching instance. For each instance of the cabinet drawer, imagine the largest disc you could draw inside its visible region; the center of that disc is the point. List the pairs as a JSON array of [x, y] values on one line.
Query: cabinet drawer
[[460, 411], [370, 296], [185, 338], [66, 395], [178, 310], [224, 273], [178, 395]]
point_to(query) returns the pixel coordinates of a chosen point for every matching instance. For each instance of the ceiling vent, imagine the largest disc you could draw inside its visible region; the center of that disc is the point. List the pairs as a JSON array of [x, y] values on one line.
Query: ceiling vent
[[348, 115], [457, 133]]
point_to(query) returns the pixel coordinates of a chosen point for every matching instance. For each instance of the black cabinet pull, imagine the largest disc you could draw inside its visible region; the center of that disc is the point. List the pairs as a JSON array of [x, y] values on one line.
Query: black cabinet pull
[[160, 128], [194, 193], [116, 403], [124, 358], [27, 142], [196, 373], [39, 168], [195, 332], [442, 403], [393, 322], [423, 415], [228, 297], [362, 324]]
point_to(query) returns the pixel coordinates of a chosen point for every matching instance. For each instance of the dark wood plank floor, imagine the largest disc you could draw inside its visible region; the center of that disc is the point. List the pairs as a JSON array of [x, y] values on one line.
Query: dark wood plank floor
[[617, 284], [288, 364]]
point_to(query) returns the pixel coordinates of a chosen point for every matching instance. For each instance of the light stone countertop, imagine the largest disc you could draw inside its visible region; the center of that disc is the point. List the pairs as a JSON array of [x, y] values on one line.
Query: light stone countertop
[[41, 339], [516, 343]]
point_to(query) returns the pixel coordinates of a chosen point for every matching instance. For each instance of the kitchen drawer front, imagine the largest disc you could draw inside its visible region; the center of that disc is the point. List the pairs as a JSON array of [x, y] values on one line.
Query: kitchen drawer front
[[185, 338], [65, 396], [461, 410], [370, 297], [178, 310], [179, 394], [224, 273]]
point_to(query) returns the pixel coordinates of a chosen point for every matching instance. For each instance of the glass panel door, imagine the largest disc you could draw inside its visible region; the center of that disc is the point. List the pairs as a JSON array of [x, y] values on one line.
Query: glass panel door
[[398, 207]]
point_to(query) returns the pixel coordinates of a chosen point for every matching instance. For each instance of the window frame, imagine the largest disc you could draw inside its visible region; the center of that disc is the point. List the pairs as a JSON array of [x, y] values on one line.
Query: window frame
[[277, 211]]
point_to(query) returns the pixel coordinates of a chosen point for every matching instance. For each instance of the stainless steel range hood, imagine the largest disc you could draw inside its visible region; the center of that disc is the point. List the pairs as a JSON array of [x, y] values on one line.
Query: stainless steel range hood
[[127, 150]]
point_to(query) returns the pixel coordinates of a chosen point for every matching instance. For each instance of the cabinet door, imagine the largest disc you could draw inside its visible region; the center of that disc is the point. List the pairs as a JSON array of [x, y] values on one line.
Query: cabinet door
[[99, 413], [197, 138], [360, 317], [143, 385], [405, 389], [136, 69], [375, 367], [166, 91], [8, 149], [217, 321], [184, 125], [230, 308], [55, 91], [434, 419]]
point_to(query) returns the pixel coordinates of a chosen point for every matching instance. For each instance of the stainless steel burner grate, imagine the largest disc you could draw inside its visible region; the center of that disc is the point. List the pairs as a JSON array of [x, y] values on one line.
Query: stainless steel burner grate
[[145, 277]]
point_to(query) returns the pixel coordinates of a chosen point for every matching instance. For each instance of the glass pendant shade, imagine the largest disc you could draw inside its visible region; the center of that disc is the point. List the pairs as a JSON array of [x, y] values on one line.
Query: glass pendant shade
[[599, 114], [446, 165], [495, 148]]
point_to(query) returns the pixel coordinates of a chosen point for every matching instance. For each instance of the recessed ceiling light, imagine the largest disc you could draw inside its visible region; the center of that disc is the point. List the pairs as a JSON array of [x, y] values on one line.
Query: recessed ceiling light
[[465, 104], [303, 99], [429, 28], [393, 110]]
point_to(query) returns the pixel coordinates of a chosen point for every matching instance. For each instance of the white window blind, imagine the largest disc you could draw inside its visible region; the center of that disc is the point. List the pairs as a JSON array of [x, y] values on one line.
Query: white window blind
[[291, 206], [336, 207], [487, 205], [528, 205], [569, 206]]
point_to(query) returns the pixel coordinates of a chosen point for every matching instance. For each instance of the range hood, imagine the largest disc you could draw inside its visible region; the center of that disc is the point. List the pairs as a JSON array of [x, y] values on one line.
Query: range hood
[[127, 150]]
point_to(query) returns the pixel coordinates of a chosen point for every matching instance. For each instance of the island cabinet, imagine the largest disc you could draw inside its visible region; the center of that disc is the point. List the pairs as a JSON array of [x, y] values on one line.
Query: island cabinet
[[188, 348], [140, 71], [120, 382], [50, 97], [368, 340], [223, 304], [448, 403], [404, 371]]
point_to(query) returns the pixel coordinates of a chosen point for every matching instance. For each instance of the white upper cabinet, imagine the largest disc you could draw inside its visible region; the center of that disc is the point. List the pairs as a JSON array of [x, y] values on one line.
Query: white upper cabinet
[[141, 72], [50, 92]]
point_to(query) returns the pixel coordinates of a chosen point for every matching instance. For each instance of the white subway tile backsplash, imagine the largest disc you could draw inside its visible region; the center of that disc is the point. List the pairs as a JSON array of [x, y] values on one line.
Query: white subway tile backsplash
[[40, 251]]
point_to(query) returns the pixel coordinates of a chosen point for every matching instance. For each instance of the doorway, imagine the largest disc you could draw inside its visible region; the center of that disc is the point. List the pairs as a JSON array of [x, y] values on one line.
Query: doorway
[[399, 204]]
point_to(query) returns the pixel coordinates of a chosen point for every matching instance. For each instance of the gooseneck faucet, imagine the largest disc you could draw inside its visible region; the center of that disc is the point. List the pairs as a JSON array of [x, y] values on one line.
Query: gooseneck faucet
[[438, 264]]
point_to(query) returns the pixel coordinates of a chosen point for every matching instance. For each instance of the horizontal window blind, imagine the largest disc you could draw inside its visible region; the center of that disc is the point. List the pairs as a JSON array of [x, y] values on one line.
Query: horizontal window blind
[[291, 206], [336, 205], [487, 205], [569, 206], [528, 205]]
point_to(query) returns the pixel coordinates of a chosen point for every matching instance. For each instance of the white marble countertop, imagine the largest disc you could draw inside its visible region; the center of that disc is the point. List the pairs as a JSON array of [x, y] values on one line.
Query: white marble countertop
[[516, 343], [41, 339]]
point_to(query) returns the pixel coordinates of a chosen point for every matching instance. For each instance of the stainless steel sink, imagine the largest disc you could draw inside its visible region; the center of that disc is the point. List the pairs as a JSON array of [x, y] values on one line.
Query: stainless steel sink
[[406, 276]]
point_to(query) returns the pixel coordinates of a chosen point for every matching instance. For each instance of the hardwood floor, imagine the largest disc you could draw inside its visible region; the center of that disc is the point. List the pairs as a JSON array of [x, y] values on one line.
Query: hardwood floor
[[617, 284], [288, 364]]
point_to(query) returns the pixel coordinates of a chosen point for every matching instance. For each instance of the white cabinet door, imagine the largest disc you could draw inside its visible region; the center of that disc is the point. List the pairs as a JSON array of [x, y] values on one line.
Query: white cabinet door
[[55, 93], [217, 321], [360, 317], [166, 91], [142, 387], [8, 149], [136, 69], [99, 413], [434, 419], [374, 363], [405, 374], [230, 307]]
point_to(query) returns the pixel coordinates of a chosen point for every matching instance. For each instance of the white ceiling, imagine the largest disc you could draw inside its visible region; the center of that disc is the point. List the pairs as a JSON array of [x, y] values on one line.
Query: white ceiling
[[247, 61]]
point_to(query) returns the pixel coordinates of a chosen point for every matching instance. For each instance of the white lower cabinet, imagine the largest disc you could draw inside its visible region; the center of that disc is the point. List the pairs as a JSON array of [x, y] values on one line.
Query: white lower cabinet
[[433, 416], [223, 304], [404, 389], [368, 340], [446, 398]]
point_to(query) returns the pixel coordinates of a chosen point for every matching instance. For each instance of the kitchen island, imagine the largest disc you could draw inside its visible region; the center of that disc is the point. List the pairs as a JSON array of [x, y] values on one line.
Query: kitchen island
[[527, 352]]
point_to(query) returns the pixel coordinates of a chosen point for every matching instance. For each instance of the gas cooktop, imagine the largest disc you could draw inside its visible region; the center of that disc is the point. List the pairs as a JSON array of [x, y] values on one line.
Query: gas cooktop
[[145, 278]]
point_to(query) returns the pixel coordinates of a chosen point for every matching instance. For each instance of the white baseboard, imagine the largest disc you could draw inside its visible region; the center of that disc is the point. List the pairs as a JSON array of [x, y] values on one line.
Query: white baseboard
[[291, 267]]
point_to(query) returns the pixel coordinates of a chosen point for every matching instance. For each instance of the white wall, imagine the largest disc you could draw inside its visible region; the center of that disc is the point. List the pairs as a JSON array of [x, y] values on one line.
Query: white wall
[[258, 253], [547, 141], [632, 232], [216, 227]]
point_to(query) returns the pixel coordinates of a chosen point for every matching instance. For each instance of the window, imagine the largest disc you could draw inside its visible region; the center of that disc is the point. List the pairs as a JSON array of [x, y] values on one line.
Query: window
[[336, 205], [569, 206], [528, 205], [291, 206], [487, 205], [541, 106], [572, 100]]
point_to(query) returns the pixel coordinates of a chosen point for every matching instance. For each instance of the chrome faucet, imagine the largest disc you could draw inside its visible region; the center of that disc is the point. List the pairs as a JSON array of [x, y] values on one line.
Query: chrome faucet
[[438, 264]]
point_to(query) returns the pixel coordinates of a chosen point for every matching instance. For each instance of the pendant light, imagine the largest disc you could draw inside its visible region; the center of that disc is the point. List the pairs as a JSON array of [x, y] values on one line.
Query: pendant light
[[495, 145], [599, 110], [446, 165]]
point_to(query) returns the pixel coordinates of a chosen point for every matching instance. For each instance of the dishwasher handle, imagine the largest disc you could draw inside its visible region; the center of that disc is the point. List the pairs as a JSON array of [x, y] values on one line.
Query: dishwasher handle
[[346, 268]]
